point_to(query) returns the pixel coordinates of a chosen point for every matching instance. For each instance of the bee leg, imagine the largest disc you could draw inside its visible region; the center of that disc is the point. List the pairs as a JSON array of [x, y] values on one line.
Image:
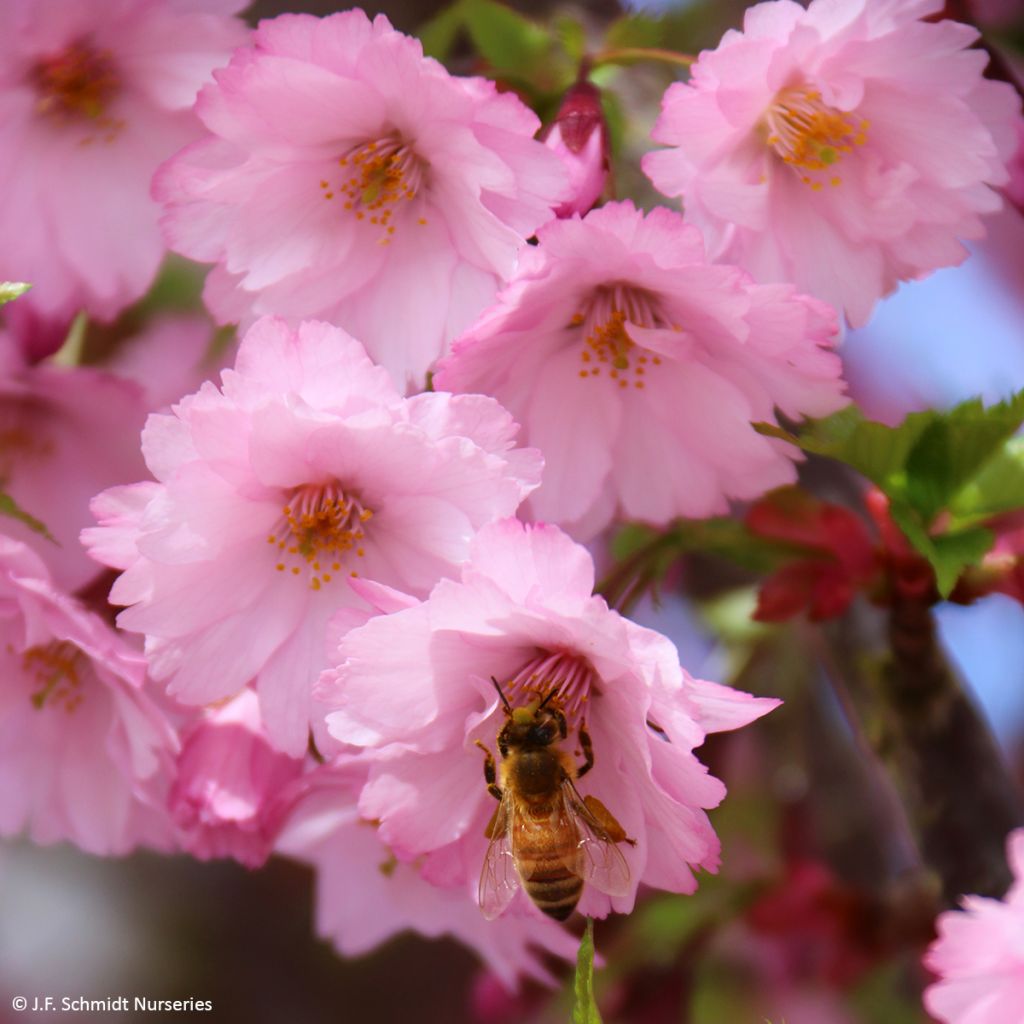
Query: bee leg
[[563, 728], [588, 752], [607, 821], [490, 772]]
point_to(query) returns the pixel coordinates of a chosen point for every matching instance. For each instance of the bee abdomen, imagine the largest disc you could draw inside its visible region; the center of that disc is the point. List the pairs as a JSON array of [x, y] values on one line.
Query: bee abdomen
[[554, 889]]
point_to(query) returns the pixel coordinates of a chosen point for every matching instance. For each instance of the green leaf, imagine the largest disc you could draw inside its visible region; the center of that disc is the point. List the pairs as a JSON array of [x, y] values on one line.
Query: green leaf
[[962, 460], [584, 1009], [439, 33], [10, 290], [508, 42], [954, 552], [873, 449], [999, 487], [634, 30], [573, 37], [9, 507]]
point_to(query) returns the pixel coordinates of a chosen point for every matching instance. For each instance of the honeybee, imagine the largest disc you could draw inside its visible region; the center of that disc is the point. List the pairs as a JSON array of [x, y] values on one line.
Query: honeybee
[[544, 835]]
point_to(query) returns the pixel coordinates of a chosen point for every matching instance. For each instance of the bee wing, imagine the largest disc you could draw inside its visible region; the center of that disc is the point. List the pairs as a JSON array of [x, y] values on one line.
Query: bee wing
[[600, 862], [499, 879]]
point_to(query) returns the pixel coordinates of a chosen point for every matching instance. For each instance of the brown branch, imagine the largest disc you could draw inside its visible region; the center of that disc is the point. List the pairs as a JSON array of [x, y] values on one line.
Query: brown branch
[[959, 793]]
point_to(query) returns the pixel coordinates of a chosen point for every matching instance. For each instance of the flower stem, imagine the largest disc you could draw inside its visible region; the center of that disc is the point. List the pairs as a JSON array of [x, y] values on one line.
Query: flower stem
[[629, 54]]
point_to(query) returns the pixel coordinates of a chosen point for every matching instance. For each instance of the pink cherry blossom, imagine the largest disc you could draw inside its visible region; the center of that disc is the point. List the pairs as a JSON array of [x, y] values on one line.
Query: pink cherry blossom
[[349, 178], [979, 955], [637, 367], [230, 784], [845, 147], [64, 435], [365, 895], [415, 684], [85, 755], [169, 358], [304, 469], [95, 95]]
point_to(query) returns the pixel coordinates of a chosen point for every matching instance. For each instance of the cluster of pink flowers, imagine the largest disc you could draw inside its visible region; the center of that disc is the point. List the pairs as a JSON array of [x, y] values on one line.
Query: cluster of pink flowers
[[318, 561]]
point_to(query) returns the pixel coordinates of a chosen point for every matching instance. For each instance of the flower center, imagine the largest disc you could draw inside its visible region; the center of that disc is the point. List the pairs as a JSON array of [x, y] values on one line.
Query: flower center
[[319, 526], [810, 136], [607, 346], [375, 179], [54, 669], [567, 674], [77, 83]]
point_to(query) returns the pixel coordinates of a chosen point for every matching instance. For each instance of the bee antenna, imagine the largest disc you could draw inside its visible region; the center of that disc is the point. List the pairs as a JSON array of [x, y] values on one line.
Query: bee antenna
[[501, 694], [547, 698]]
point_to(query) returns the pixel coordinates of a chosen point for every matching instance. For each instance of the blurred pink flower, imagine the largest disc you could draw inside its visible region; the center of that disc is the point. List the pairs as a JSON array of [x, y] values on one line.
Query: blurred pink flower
[[417, 683], [637, 367], [979, 955], [64, 435], [305, 468], [365, 895], [349, 178], [844, 147], [169, 358], [1015, 186], [95, 95], [579, 136], [230, 786], [85, 756]]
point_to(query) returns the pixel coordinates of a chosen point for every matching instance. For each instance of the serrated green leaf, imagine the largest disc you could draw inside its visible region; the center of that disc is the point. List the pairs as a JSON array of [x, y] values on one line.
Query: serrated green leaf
[[634, 30], [508, 42], [10, 290], [999, 487], [584, 1010], [9, 507], [873, 449], [925, 460], [439, 33], [954, 447], [962, 460], [948, 553], [954, 552]]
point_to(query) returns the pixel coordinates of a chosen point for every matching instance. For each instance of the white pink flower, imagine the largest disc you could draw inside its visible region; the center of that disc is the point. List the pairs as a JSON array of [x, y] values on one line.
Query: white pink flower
[[94, 96], [979, 955], [416, 685], [304, 469], [85, 755], [637, 367], [349, 178], [365, 895], [231, 786], [845, 147]]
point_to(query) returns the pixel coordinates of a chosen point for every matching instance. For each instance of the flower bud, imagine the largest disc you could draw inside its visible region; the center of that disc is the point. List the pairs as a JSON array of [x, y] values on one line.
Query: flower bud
[[579, 136], [230, 784]]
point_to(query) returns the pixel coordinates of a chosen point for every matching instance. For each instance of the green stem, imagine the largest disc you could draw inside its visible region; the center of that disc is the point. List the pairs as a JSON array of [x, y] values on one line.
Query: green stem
[[628, 54]]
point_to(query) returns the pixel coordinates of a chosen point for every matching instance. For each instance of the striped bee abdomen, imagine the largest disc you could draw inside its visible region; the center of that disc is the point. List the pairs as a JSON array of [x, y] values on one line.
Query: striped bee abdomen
[[547, 857]]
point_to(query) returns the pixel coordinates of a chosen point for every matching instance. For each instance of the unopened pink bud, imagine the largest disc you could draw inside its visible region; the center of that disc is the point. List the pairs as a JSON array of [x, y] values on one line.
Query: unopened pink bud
[[579, 136], [229, 785]]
